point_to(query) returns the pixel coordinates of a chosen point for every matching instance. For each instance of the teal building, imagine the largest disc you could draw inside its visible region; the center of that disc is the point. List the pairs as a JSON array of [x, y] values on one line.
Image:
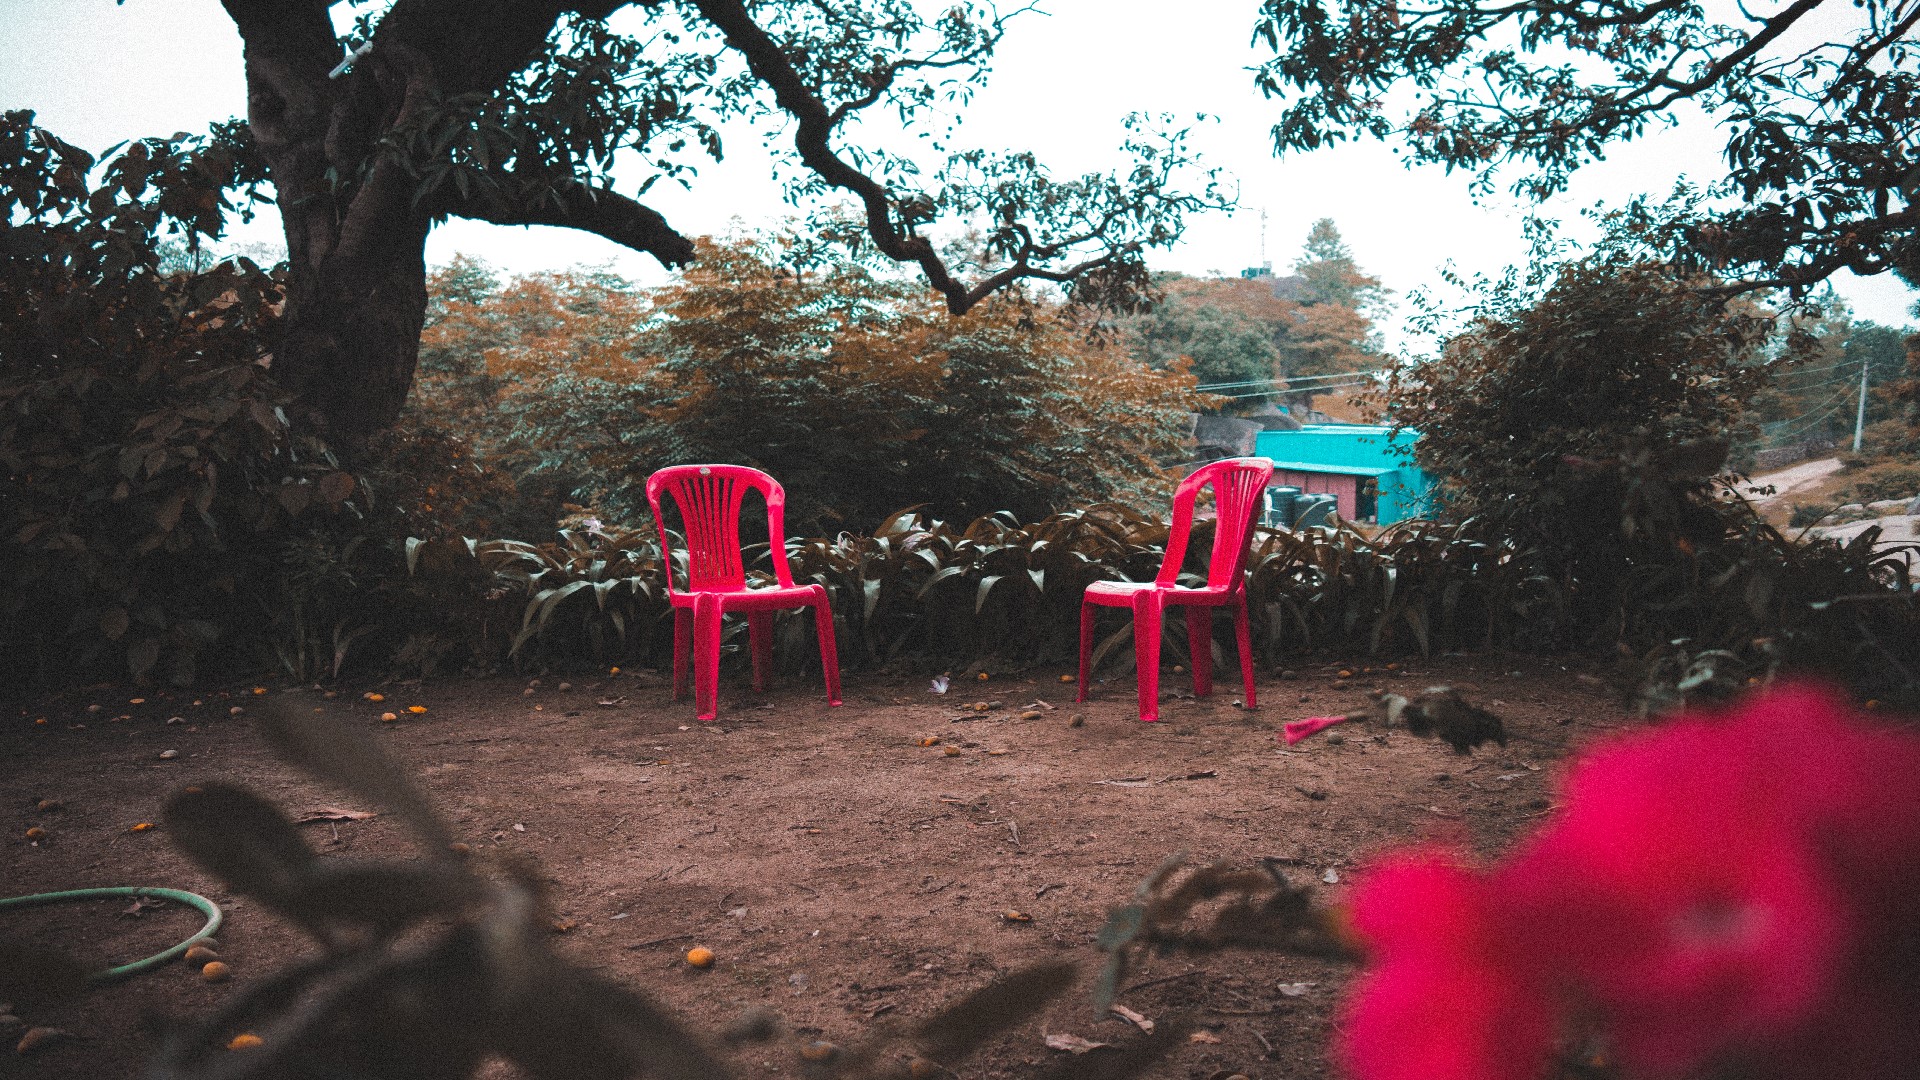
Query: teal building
[[1366, 467]]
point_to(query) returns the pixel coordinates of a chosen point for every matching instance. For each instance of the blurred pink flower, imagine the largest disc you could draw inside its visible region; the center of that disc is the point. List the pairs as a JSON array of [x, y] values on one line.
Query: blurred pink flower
[[1437, 1002], [1735, 888]]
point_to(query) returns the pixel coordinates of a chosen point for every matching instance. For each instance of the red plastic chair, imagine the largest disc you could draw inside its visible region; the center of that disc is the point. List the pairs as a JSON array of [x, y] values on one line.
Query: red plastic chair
[[709, 498], [1237, 486]]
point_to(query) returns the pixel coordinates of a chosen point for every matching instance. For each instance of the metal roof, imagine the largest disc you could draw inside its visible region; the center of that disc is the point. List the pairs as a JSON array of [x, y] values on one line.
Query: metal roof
[[1320, 467]]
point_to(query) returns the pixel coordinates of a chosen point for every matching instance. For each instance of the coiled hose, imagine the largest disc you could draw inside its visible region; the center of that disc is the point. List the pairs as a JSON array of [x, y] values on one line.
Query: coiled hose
[[193, 900]]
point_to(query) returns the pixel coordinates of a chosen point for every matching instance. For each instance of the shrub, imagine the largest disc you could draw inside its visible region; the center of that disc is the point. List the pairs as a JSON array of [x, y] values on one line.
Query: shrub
[[852, 388], [1806, 514], [1584, 417], [154, 501], [145, 457], [1886, 480]]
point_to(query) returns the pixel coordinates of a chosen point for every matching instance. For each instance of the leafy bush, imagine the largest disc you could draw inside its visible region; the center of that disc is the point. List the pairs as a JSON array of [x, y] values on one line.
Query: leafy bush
[[852, 388], [1806, 514], [1887, 480], [154, 501], [1896, 440], [1583, 415], [143, 448], [997, 593]]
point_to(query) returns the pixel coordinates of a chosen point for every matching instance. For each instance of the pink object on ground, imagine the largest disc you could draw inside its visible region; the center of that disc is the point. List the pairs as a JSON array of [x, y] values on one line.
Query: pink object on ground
[[1238, 484], [709, 497], [1300, 729]]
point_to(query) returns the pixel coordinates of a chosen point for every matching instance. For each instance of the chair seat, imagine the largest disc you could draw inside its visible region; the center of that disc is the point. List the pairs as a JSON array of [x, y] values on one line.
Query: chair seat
[[746, 598], [1121, 593]]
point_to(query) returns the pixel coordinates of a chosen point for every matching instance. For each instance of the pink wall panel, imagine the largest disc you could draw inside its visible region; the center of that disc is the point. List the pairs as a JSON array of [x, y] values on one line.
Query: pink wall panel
[[1344, 489]]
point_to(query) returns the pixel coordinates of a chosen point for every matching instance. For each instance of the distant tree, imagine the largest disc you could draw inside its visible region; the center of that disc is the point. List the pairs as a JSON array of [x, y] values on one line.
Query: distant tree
[[1816, 97], [1228, 347], [514, 111], [1256, 332], [1882, 350], [1332, 332], [1329, 274]]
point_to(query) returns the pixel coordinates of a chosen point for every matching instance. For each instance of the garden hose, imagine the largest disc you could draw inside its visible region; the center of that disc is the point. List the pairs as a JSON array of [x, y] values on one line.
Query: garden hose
[[193, 900]]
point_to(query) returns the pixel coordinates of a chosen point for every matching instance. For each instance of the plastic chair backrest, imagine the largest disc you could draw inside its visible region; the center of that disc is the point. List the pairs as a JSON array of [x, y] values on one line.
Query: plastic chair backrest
[[1238, 484], [709, 498]]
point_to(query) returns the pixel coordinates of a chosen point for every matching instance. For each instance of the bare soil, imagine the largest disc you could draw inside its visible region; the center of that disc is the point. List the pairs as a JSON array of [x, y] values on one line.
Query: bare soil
[[844, 875]]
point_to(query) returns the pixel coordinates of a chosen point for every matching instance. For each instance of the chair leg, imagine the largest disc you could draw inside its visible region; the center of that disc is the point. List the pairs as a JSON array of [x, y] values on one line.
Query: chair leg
[[760, 640], [1146, 652], [1243, 635], [1086, 647], [682, 643], [706, 655], [829, 652], [1200, 648]]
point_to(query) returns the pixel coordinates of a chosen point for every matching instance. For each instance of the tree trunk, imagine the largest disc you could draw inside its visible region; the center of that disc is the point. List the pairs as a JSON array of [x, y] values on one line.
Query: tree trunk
[[356, 232], [352, 338]]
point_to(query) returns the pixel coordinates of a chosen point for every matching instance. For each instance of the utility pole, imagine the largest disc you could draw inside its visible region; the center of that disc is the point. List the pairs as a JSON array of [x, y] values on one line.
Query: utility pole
[[1860, 415]]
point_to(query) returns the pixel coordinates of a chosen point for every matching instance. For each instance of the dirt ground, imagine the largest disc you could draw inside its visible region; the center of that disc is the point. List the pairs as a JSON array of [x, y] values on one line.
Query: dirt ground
[[844, 875]]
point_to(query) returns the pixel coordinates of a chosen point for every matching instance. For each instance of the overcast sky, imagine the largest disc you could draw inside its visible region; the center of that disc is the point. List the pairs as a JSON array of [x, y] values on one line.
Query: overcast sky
[[97, 73]]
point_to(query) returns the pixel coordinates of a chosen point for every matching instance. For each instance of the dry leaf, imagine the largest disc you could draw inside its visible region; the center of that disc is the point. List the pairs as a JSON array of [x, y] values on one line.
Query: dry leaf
[[1073, 1044], [333, 813], [1203, 1037], [1133, 1018], [40, 1038]]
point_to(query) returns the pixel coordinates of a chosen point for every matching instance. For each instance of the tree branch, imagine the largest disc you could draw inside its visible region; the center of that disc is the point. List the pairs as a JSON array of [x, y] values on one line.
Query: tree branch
[[1775, 27], [574, 205], [812, 137]]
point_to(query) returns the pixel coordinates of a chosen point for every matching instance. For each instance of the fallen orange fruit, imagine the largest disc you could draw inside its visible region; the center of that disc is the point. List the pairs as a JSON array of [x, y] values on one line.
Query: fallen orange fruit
[[389, 717], [416, 709], [700, 956], [246, 1040]]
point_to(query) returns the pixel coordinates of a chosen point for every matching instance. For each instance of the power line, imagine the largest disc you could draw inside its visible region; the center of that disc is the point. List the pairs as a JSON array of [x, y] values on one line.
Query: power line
[[1800, 425], [1316, 389], [1284, 381]]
